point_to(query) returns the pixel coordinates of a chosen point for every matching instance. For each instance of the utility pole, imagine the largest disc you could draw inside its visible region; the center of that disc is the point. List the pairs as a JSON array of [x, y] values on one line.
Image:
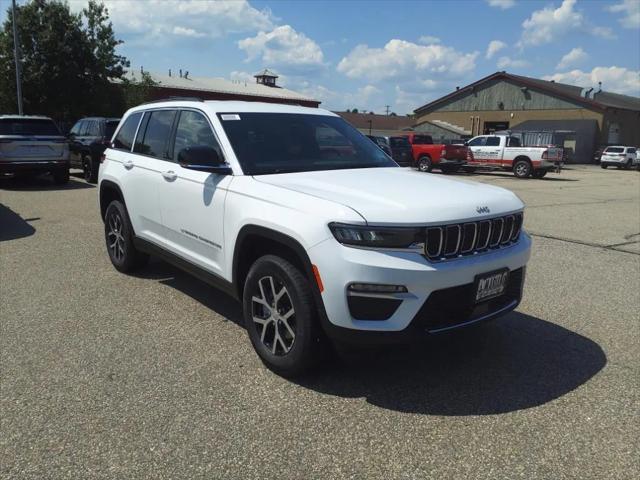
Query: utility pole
[[387, 107], [16, 54], [370, 122]]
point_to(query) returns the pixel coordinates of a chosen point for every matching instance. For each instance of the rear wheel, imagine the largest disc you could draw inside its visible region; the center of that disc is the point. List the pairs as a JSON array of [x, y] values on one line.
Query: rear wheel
[[118, 235], [60, 177], [539, 173], [522, 169], [424, 164], [629, 164], [602, 165], [280, 316], [90, 169]]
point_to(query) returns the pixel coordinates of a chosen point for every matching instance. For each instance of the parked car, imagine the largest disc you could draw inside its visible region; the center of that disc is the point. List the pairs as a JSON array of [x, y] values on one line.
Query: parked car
[[621, 157], [427, 155], [382, 143], [88, 139], [502, 152], [319, 245], [400, 150], [31, 145]]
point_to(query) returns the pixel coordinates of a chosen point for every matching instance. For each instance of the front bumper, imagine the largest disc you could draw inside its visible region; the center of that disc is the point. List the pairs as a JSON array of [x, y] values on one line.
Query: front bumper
[[27, 166], [340, 266]]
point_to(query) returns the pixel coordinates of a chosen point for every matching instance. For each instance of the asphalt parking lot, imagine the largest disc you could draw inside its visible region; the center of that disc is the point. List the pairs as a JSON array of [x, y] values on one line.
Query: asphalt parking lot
[[152, 376]]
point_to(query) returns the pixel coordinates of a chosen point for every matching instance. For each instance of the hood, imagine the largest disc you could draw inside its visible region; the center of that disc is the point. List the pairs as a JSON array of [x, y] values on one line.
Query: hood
[[400, 195]]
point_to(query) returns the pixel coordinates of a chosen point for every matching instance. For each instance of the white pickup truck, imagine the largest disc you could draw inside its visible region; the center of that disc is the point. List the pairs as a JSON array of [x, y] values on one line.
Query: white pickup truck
[[502, 152]]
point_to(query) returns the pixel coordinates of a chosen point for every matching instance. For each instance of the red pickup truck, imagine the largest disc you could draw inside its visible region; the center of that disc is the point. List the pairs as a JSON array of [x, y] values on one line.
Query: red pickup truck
[[428, 155]]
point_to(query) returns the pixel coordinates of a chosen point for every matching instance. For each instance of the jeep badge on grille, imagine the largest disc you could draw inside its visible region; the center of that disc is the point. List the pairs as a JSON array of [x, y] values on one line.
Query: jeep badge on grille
[[483, 209]]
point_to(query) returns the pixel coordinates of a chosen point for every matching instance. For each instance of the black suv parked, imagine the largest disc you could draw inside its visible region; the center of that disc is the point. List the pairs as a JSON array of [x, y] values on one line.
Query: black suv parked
[[88, 139]]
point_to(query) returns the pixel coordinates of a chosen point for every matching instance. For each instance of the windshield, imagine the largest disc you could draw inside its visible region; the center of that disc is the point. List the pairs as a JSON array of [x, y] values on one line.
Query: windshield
[[268, 143], [28, 126]]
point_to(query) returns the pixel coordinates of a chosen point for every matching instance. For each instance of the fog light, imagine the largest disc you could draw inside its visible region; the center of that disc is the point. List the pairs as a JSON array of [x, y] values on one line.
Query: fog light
[[376, 288]]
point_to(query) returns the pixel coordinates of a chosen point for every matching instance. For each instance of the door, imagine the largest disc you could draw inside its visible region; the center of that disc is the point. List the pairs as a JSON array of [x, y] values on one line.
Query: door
[[192, 202], [486, 150], [140, 175], [74, 143]]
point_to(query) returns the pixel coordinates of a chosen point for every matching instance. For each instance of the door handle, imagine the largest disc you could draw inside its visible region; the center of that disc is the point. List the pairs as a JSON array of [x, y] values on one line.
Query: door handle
[[170, 175], [128, 164]]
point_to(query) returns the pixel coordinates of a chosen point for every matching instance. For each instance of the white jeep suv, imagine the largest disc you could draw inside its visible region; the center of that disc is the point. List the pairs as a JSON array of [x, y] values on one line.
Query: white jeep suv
[[309, 224]]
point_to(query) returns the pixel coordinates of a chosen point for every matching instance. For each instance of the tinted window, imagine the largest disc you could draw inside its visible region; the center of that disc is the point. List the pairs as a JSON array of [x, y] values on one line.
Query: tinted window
[[514, 142], [478, 142], [631, 150], [110, 127], [284, 142], [493, 142], [614, 150], [193, 129], [422, 140], [124, 139], [28, 126], [399, 142], [154, 140], [93, 129], [84, 126]]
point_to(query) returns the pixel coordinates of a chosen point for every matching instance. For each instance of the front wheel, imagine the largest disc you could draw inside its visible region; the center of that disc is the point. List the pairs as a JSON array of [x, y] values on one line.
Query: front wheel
[[629, 164], [522, 169], [424, 164], [118, 235], [602, 165], [280, 316]]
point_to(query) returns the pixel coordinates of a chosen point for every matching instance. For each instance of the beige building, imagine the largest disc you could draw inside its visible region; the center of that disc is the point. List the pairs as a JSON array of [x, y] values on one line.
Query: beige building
[[589, 117]]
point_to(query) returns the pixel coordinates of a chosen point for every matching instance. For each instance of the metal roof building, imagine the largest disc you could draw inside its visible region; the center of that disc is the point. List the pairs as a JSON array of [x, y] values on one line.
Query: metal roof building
[[182, 84]]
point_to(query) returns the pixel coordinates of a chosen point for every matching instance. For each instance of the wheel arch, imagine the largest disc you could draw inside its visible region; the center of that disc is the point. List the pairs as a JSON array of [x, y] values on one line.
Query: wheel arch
[[109, 191], [522, 157]]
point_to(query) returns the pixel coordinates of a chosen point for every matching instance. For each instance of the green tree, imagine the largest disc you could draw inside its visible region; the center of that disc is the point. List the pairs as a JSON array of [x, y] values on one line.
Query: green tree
[[68, 61], [136, 92]]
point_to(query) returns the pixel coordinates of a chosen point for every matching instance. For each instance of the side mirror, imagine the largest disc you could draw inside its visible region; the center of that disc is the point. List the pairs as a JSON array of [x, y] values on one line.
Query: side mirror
[[203, 159]]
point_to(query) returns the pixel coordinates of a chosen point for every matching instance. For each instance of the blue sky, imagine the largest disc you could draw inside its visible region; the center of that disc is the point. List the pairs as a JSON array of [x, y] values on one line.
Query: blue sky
[[368, 54]]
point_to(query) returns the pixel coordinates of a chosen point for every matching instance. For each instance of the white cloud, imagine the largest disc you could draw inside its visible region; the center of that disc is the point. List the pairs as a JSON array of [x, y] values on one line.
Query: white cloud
[[573, 58], [631, 13], [494, 47], [547, 25], [503, 4], [614, 79], [508, 62], [160, 19], [428, 39], [402, 60], [283, 46]]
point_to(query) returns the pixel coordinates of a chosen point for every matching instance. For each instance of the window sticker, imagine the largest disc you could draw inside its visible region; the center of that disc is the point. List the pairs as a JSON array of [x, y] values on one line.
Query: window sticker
[[230, 116]]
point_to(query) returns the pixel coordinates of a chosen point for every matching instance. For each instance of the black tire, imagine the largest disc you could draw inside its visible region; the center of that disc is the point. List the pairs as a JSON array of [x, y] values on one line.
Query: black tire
[[123, 254], [629, 164], [539, 173], [522, 169], [60, 177], [90, 169], [281, 351], [424, 163], [603, 166], [449, 170]]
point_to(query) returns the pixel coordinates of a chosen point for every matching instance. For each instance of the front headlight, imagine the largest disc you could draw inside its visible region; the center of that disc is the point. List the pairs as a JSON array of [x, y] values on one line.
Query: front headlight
[[378, 237]]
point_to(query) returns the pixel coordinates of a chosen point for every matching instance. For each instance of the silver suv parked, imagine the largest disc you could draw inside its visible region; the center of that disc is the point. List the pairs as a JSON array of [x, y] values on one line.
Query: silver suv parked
[[32, 144]]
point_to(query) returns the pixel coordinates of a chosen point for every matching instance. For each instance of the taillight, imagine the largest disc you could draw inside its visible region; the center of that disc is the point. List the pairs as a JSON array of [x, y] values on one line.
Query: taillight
[[443, 152]]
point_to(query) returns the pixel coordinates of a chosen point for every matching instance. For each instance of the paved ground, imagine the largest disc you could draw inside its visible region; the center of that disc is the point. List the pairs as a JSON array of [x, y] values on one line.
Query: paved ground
[[109, 376]]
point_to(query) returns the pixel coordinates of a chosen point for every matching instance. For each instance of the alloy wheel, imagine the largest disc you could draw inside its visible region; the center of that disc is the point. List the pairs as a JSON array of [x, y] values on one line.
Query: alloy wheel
[[115, 238], [274, 316]]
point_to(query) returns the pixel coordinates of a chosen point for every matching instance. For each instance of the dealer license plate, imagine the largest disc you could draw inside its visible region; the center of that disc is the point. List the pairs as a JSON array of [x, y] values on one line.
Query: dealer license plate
[[491, 284]]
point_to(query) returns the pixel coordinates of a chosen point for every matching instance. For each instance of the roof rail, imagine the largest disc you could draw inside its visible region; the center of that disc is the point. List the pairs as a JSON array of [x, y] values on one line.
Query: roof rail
[[175, 99]]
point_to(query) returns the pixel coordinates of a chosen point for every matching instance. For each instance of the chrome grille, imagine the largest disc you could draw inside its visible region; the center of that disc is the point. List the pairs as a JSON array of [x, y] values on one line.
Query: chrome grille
[[444, 242]]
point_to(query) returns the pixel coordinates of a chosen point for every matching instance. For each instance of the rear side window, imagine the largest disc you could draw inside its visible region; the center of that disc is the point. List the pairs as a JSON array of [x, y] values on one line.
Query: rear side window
[[631, 150], [124, 139], [154, 140], [194, 130], [422, 140], [28, 126], [493, 142]]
